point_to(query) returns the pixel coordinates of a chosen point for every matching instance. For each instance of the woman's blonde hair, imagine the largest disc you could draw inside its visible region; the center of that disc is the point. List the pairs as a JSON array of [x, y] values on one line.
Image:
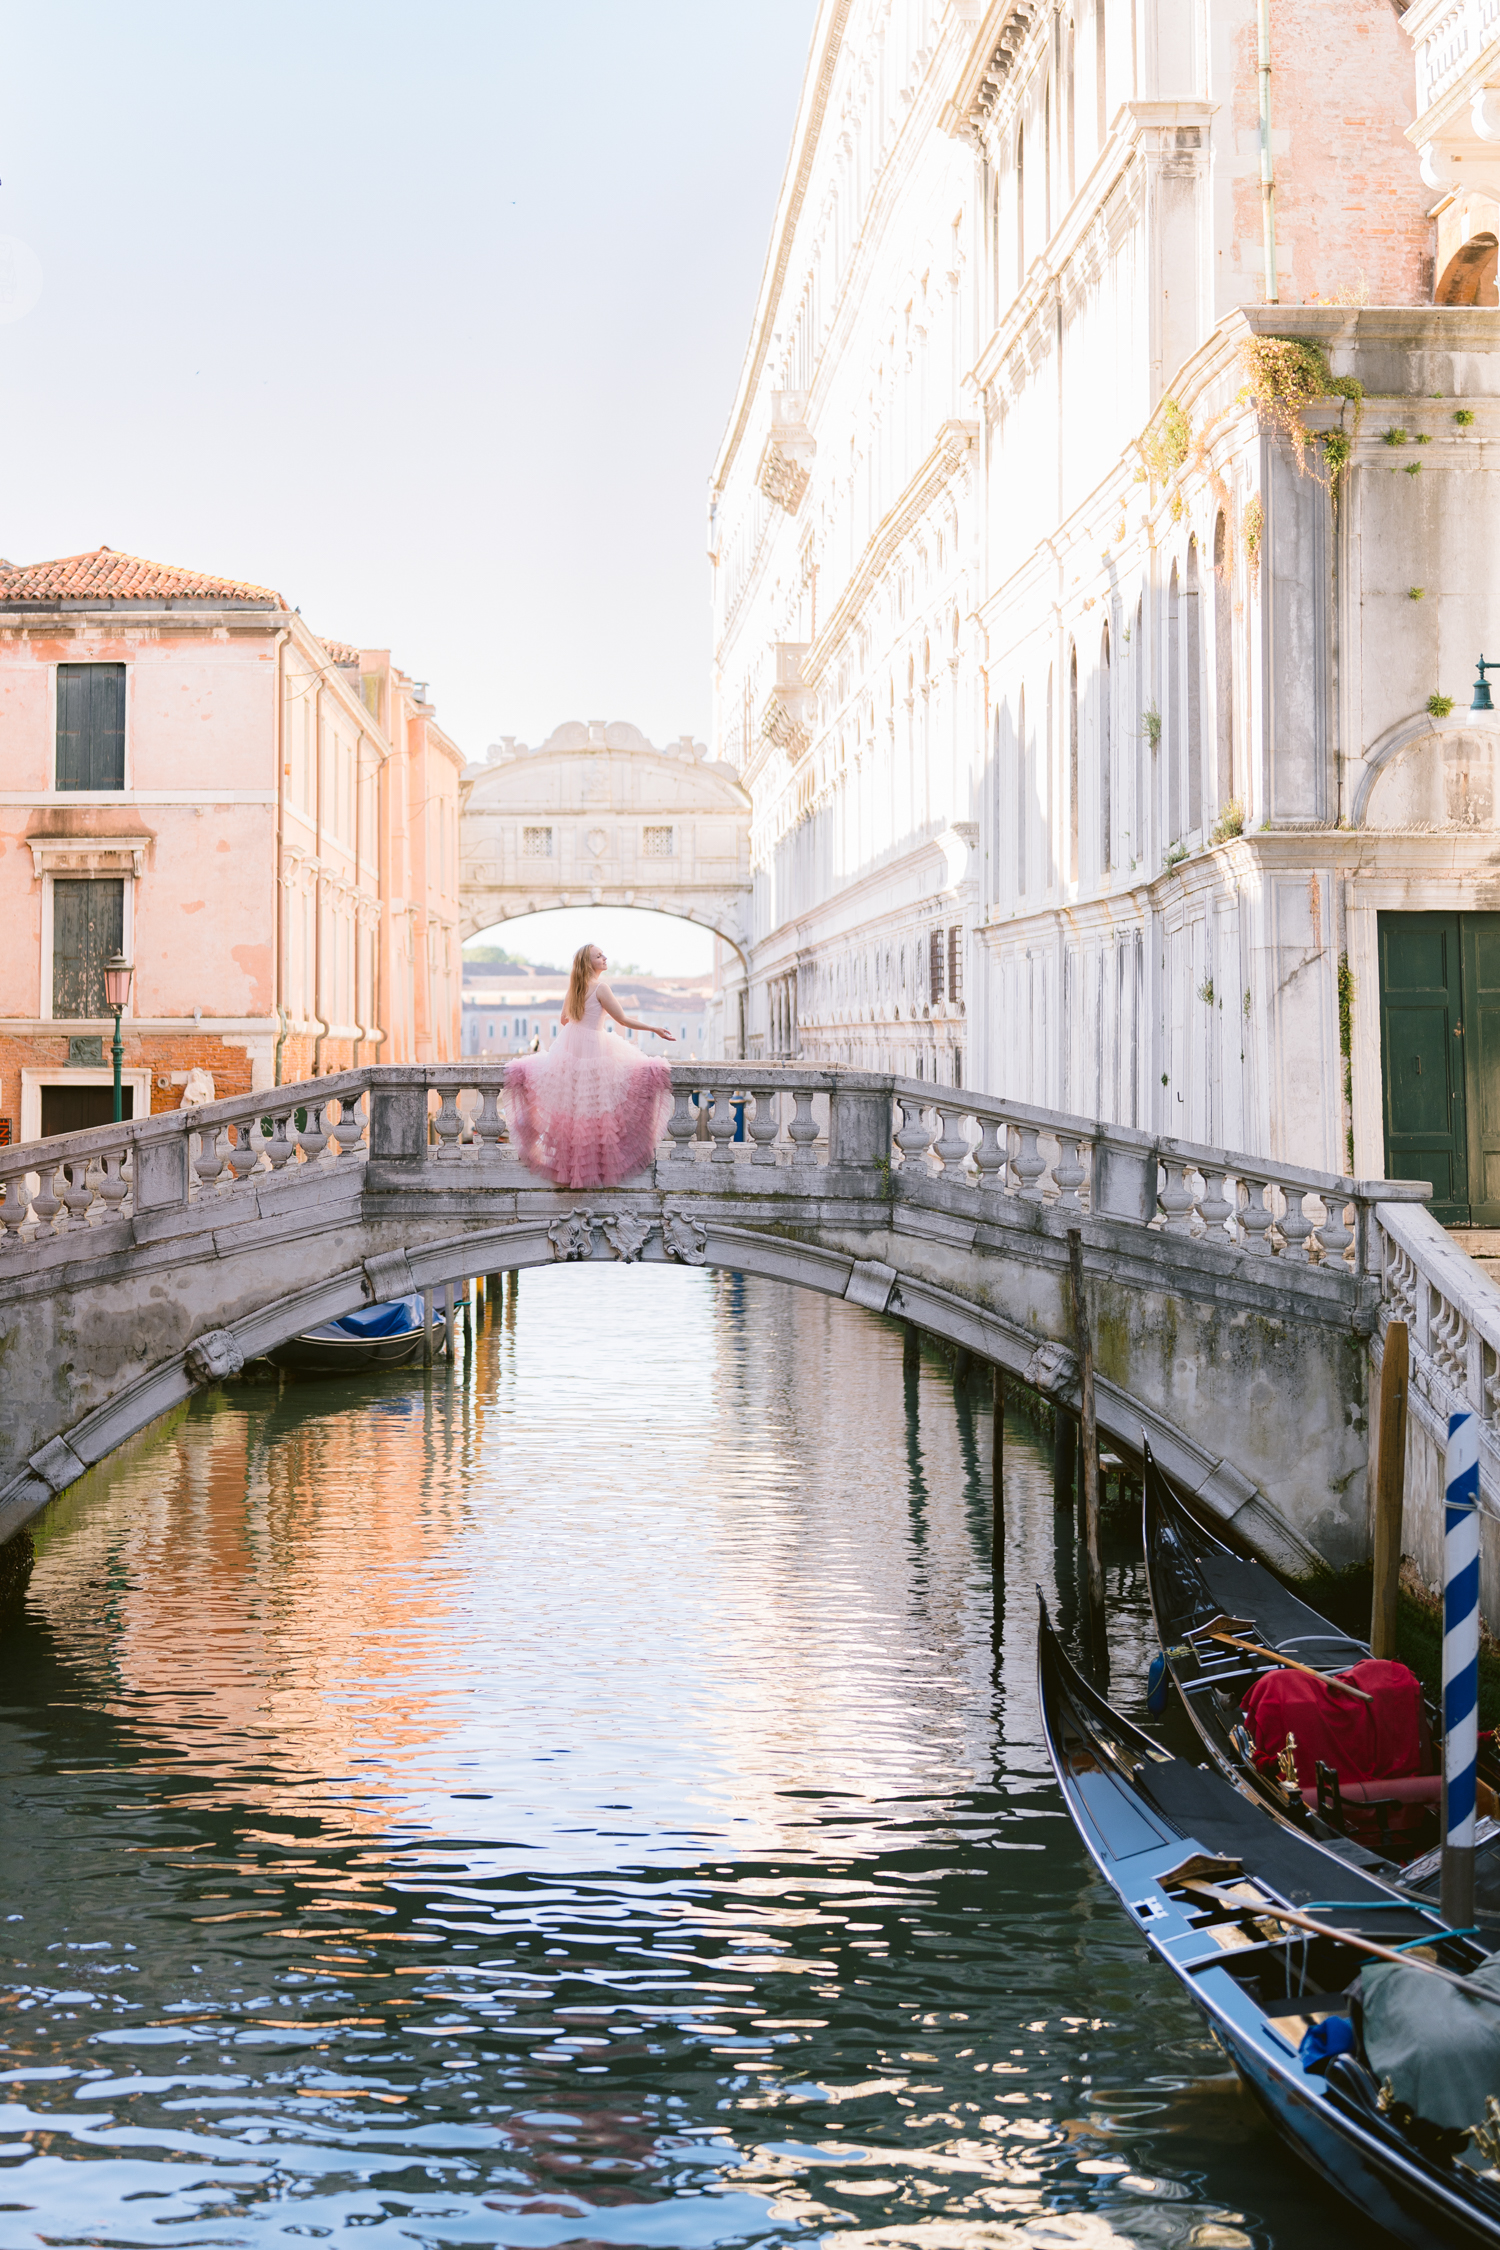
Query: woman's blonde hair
[[581, 977]]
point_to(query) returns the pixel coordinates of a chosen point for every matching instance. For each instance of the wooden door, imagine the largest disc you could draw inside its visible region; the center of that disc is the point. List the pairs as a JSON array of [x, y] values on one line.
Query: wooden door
[[1422, 1058]]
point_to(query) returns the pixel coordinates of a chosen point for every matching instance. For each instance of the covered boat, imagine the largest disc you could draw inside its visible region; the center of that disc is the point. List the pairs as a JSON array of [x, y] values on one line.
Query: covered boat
[[1268, 1933], [1300, 1711], [384, 1335]]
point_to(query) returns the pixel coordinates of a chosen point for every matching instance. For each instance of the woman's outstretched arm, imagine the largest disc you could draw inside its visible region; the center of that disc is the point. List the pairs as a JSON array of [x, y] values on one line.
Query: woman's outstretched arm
[[611, 1007]]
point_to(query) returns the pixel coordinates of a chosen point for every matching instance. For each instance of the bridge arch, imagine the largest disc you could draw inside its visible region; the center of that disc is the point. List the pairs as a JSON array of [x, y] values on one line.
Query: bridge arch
[[599, 816]]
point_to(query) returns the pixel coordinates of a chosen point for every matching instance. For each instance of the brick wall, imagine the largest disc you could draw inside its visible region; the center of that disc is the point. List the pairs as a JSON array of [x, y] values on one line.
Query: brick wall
[[1351, 208], [163, 1054]]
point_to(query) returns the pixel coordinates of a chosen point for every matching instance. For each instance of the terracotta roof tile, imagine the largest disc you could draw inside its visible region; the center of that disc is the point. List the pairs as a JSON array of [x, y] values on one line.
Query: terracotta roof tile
[[342, 652], [105, 576]]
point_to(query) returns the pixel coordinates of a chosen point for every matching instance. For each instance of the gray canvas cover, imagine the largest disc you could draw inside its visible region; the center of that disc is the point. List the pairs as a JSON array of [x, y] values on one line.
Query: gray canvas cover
[[1439, 2049]]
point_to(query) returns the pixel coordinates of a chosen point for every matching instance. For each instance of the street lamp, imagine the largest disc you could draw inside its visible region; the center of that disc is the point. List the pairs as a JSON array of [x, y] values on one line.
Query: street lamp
[[117, 975], [1482, 700]]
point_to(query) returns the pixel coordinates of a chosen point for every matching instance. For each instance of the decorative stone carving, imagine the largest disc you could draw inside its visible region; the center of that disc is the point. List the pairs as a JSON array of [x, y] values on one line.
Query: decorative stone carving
[[684, 1239], [214, 1356], [57, 1465], [870, 1285], [388, 1275], [626, 1233], [572, 1238]]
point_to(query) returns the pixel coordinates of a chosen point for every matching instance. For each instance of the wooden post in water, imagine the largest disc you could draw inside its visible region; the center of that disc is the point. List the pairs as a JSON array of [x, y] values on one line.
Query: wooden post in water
[[1390, 1486], [450, 1315], [911, 1351], [1065, 1461], [426, 1327], [1088, 1428]]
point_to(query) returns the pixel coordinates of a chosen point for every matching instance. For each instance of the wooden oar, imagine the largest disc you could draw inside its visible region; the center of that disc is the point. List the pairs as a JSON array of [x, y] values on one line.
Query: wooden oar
[[1270, 1913], [1274, 1656]]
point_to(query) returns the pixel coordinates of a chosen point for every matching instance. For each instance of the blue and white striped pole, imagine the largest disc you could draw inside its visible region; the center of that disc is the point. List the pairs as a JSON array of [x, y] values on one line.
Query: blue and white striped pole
[[1460, 1667]]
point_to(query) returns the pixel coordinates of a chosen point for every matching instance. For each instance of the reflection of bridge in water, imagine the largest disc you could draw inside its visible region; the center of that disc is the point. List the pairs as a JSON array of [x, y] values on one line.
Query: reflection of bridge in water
[[1233, 1300]]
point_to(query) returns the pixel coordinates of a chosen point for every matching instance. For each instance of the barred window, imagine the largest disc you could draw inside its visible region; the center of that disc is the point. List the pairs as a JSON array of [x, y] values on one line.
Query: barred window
[[935, 966], [955, 964], [657, 843], [536, 843]]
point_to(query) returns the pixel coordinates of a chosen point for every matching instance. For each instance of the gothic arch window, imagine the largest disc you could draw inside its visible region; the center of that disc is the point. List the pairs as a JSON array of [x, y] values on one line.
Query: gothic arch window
[[1021, 805], [1072, 762], [1106, 753], [1193, 637], [1172, 731], [1223, 663]]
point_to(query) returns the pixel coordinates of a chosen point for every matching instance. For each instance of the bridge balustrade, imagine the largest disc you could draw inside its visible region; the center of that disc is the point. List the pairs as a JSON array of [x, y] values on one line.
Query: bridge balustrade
[[763, 1129]]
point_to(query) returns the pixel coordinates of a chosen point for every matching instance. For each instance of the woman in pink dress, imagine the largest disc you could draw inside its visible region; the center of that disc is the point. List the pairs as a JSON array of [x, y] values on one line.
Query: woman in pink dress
[[589, 1111]]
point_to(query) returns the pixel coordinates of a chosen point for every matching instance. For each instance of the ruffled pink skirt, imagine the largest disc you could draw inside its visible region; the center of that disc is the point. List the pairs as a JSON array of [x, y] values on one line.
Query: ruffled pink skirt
[[589, 1110]]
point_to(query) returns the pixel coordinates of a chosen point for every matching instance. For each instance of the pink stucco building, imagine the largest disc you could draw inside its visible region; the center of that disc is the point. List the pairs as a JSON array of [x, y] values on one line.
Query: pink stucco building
[[265, 822]]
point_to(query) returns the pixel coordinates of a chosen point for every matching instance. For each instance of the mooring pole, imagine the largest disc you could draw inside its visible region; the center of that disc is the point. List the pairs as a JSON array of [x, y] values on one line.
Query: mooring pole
[[1390, 1485], [911, 1351], [1460, 1668], [1088, 1428], [450, 1315], [426, 1327]]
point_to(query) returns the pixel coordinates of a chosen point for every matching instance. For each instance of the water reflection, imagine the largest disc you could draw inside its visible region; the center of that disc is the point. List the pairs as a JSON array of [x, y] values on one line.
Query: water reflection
[[389, 1758]]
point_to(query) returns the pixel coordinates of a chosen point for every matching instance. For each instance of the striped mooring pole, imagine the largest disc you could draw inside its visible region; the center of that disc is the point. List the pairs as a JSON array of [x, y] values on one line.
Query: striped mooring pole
[[1460, 1667]]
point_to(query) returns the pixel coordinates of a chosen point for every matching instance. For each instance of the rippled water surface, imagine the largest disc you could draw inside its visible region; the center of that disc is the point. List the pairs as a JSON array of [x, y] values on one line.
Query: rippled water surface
[[580, 1799]]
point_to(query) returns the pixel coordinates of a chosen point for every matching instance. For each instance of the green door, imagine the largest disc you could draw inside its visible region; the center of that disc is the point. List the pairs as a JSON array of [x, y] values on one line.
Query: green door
[[1422, 1057], [1480, 1042]]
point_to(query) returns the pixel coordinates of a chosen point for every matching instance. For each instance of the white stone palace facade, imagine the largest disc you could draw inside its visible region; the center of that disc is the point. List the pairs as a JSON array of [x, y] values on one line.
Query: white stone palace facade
[[1096, 746]]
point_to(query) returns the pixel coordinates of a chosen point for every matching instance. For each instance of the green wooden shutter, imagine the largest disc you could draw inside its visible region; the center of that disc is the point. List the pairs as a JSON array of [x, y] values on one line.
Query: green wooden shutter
[[88, 925], [90, 726], [1422, 1058]]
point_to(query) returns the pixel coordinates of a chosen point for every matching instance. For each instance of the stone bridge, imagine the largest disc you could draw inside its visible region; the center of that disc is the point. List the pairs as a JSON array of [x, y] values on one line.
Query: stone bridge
[[1233, 1301]]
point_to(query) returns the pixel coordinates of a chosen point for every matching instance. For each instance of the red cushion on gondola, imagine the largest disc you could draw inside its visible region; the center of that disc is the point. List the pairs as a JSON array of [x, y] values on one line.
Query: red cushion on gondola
[[1406, 1789], [1376, 1741]]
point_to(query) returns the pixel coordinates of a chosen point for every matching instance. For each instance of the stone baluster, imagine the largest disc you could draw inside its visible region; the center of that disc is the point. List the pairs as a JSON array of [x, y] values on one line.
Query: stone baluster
[[1068, 1174], [448, 1126], [1295, 1226], [1029, 1164], [1214, 1207], [488, 1125], [1255, 1218], [721, 1127], [1334, 1237], [682, 1125], [76, 1192], [350, 1129], [803, 1130], [764, 1126], [213, 1152], [312, 1134], [245, 1154], [280, 1146], [1177, 1198], [113, 1185], [951, 1151], [914, 1138], [14, 1208], [989, 1156], [45, 1203]]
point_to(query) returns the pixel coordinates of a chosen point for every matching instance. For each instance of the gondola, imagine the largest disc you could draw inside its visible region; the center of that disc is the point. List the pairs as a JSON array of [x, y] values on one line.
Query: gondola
[[1199, 1868], [1196, 1585], [383, 1335]]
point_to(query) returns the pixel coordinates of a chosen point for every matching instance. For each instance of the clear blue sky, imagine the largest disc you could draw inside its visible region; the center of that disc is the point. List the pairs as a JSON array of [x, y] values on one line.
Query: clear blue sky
[[428, 316]]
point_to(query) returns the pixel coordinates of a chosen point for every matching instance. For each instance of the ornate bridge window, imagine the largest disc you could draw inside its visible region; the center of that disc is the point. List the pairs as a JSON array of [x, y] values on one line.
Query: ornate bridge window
[[656, 843], [536, 843]]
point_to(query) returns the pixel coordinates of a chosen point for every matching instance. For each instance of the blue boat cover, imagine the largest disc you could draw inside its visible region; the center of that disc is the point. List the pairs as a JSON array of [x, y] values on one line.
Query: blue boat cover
[[397, 1317]]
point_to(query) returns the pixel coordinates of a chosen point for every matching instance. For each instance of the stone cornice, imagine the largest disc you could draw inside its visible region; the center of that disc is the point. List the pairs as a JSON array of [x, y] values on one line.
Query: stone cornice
[[89, 855]]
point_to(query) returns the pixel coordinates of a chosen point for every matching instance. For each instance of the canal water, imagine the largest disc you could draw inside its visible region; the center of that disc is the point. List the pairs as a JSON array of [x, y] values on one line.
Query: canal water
[[581, 1799]]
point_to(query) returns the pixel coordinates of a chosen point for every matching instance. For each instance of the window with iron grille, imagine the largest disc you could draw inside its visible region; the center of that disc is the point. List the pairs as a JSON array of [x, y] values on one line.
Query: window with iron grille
[[935, 966], [90, 726], [88, 926], [657, 843], [955, 963], [536, 843]]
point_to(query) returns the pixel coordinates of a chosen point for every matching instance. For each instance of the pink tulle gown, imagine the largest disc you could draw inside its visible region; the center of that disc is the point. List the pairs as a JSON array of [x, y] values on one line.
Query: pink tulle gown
[[589, 1110]]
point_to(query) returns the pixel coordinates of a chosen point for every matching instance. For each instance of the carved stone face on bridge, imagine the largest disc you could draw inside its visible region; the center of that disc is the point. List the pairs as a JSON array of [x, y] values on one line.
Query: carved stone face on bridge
[[598, 816]]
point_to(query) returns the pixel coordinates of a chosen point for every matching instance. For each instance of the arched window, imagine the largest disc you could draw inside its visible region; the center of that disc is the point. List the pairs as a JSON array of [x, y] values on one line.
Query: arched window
[[1106, 753], [1021, 804], [1469, 276], [1194, 684], [1173, 727], [1072, 764], [1223, 664]]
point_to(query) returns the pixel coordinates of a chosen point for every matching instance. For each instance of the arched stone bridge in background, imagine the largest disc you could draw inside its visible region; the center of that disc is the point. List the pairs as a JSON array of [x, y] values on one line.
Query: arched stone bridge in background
[[1233, 1301], [598, 816]]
